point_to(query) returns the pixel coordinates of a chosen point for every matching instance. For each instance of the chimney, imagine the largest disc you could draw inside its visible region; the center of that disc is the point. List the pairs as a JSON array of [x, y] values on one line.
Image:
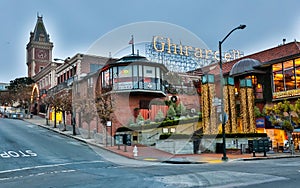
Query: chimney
[[283, 41]]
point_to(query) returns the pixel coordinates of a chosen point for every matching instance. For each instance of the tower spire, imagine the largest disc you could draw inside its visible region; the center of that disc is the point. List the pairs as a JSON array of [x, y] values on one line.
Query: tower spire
[[40, 33]]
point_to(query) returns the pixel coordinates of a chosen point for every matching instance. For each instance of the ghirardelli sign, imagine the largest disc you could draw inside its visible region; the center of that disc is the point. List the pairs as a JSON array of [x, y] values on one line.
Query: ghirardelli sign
[[181, 58]]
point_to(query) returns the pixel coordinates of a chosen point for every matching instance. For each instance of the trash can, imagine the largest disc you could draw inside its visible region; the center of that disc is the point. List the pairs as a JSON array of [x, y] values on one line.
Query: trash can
[[219, 147], [196, 144]]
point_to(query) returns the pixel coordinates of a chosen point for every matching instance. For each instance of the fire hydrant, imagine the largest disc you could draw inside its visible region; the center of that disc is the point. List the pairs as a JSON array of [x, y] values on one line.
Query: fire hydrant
[[135, 151]]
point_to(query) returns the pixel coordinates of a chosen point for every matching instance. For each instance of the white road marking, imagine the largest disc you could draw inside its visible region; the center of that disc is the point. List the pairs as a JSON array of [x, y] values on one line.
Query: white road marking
[[217, 179], [17, 154], [30, 125], [39, 174], [48, 166]]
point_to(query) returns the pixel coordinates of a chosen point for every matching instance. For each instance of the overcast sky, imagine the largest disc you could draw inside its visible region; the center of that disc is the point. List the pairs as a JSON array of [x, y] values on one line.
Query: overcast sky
[[74, 25]]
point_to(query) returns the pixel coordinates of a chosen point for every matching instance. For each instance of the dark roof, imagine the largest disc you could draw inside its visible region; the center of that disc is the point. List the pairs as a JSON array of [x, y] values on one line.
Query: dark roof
[[40, 30], [132, 58], [265, 56], [126, 60], [268, 55], [244, 66]]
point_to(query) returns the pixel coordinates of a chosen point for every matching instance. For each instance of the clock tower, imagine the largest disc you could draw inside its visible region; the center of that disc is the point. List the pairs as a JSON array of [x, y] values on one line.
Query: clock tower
[[39, 49]]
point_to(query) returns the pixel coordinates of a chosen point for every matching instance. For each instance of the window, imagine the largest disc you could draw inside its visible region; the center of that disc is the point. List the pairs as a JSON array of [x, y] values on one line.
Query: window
[[258, 90], [278, 77], [95, 67], [297, 72], [158, 79], [106, 78], [125, 71], [286, 75], [124, 79], [135, 77], [149, 71], [289, 75], [90, 82]]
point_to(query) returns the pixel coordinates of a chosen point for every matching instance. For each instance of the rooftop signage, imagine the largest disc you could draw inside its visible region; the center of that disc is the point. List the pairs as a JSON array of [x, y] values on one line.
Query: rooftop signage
[[183, 58]]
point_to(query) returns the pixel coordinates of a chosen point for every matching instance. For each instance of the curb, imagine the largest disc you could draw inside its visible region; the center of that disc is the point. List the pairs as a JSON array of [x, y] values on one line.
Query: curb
[[79, 139], [178, 160], [266, 158]]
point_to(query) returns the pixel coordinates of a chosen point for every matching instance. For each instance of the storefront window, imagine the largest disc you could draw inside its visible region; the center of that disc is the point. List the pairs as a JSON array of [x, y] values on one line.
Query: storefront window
[[124, 81], [278, 77], [133, 77], [149, 77], [289, 76], [297, 72], [106, 78], [158, 84], [258, 90], [286, 75], [115, 74]]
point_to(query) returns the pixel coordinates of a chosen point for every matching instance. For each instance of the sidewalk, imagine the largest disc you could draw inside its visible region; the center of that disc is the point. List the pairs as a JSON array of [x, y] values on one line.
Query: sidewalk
[[151, 154]]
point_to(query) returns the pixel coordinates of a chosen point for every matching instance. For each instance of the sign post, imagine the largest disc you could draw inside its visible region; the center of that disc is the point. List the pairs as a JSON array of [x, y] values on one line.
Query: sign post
[[109, 124]]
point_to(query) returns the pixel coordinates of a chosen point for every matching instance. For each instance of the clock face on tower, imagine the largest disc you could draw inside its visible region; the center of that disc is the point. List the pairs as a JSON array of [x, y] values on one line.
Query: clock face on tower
[[41, 53]]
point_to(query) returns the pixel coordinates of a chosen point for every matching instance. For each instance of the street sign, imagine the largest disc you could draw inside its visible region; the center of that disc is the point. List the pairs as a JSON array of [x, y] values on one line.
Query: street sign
[[225, 117], [108, 124]]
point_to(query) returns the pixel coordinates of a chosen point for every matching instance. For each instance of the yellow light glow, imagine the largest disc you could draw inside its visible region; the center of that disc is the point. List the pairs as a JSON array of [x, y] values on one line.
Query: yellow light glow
[[258, 86]]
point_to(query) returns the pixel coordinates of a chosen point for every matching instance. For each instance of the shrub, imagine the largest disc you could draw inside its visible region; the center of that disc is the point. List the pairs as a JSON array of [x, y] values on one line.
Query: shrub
[[159, 116], [257, 112], [171, 112], [140, 119], [181, 109]]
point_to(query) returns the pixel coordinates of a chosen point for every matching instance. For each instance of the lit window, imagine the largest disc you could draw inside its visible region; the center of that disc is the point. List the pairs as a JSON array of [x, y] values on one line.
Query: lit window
[[278, 77]]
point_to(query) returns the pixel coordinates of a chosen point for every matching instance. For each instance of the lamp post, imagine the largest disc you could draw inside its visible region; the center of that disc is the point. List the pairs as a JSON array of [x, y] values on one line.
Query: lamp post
[[224, 158]]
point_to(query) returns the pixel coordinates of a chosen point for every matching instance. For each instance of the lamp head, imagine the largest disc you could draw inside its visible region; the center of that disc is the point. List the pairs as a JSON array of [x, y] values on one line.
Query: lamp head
[[241, 27]]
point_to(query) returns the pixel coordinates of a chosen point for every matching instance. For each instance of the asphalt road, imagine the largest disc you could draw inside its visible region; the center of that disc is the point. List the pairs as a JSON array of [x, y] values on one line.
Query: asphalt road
[[31, 156]]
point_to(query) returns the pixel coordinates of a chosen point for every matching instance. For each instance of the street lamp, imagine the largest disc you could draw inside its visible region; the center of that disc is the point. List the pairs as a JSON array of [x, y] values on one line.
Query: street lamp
[[223, 118]]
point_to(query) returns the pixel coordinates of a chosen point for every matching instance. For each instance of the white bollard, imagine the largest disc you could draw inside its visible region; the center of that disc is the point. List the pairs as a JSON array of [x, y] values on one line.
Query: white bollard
[[135, 151]]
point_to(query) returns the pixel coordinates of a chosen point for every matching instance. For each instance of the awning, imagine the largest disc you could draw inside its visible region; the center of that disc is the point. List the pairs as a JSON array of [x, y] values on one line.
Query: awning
[[296, 131]]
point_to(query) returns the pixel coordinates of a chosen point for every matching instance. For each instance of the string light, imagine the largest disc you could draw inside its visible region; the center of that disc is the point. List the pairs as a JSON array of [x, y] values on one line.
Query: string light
[[232, 109], [213, 113], [250, 98]]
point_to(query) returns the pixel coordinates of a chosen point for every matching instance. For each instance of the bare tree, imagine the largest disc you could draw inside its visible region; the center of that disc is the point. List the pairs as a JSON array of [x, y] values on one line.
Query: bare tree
[[65, 105], [104, 106], [89, 113]]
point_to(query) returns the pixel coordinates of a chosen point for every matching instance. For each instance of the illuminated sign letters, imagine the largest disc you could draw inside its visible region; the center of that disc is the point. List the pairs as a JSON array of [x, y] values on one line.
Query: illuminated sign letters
[[164, 45], [183, 58]]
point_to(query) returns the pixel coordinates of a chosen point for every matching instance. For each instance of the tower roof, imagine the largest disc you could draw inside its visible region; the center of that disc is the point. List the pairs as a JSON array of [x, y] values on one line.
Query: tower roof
[[40, 33]]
